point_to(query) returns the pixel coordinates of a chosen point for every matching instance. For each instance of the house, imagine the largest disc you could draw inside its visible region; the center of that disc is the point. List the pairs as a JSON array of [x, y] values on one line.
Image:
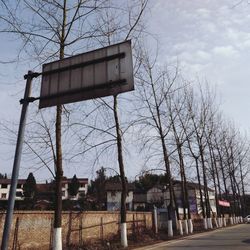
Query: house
[[139, 201], [44, 196], [45, 191], [114, 191], [5, 188], [193, 197], [155, 195], [83, 188]]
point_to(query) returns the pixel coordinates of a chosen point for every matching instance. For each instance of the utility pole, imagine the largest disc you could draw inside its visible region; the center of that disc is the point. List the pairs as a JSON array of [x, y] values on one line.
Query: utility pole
[[17, 159]]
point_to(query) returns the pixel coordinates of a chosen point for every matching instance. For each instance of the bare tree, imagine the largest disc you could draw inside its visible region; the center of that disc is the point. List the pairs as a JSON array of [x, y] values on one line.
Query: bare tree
[[179, 119], [110, 32], [201, 114], [54, 29], [154, 87]]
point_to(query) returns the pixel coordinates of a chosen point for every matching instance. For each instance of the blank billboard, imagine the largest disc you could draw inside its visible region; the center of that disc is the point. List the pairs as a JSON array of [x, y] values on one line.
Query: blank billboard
[[102, 72]]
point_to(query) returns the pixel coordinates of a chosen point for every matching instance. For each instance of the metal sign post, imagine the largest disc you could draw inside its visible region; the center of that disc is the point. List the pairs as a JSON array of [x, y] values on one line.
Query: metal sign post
[[17, 159]]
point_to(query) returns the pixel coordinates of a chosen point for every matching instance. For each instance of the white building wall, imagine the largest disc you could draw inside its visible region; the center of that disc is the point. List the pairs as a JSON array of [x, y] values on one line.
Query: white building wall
[[154, 195], [65, 193], [4, 192], [114, 199]]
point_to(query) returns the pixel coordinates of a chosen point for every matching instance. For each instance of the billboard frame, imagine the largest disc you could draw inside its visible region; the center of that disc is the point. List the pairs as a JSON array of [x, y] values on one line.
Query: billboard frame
[[102, 72]]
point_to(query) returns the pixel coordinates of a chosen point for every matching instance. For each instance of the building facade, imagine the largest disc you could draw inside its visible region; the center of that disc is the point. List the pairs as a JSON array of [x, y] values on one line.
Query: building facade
[[114, 192], [83, 189], [193, 197], [5, 189], [43, 189]]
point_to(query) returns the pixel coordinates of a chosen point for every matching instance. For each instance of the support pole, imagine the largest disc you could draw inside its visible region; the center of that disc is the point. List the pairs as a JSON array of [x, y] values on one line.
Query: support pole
[[17, 159], [155, 220]]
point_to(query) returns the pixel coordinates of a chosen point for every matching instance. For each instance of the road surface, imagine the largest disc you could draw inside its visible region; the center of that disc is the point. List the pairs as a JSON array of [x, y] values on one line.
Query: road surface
[[235, 238]]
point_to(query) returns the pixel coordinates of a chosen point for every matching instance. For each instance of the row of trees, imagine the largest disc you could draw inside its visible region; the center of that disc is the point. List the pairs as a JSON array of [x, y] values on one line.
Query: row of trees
[[180, 129], [180, 123], [176, 124]]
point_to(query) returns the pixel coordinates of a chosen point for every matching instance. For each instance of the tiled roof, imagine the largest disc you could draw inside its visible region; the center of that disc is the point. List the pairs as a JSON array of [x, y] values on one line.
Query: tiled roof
[[115, 186], [65, 180], [8, 181], [44, 187], [81, 180], [191, 185]]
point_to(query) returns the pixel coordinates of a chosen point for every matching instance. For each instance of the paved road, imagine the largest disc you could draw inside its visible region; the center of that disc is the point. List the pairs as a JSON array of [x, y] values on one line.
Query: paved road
[[236, 238]]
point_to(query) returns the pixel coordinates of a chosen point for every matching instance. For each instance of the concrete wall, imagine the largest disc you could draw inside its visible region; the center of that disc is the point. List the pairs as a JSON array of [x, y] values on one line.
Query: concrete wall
[[34, 229]]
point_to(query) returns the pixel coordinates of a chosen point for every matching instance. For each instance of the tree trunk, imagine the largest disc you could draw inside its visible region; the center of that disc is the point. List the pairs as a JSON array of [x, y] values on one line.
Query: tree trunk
[[243, 191], [207, 204], [219, 189], [57, 239], [124, 241], [213, 166], [200, 189], [57, 234], [184, 191]]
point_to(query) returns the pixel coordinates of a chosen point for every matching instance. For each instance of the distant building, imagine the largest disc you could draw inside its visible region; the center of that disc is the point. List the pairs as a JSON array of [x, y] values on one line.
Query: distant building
[[155, 195], [83, 189], [5, 188], [45, 191], [158, 196], [139, 201], [45, 195], [193, 197], [114, 191]]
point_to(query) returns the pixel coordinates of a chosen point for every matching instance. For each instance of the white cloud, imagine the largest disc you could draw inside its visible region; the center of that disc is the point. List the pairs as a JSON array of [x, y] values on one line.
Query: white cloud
[[232, 34], [203, 13], [209, 27], [203, 55], [225, 51], [188, 46], [245, 44], [211, 39]]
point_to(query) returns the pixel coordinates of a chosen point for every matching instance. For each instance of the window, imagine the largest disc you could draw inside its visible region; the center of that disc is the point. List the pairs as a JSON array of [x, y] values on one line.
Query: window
[[19, 186], [3, 195], [19, 194], [63, 193], [4, 185], [81, 194]]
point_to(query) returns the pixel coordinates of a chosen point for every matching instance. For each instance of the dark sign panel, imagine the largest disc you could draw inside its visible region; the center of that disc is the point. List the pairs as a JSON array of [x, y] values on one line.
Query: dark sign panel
[[103, 72]]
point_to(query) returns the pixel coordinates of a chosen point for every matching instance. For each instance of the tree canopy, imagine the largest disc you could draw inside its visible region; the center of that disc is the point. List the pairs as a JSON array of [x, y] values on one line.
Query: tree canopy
[[74, 186], [29, 187]]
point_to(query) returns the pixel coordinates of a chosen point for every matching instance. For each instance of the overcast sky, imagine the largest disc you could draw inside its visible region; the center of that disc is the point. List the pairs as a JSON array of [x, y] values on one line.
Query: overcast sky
[[209, 38]]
